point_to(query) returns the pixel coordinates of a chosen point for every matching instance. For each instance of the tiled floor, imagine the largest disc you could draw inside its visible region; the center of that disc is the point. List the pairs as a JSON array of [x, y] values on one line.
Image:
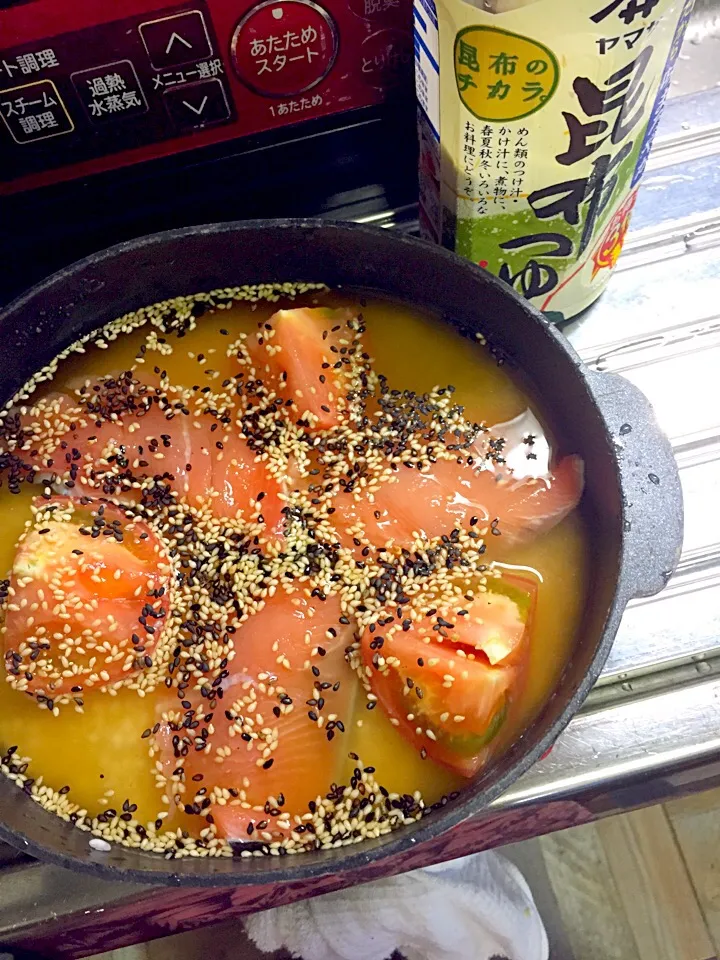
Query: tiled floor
[[640, 886]]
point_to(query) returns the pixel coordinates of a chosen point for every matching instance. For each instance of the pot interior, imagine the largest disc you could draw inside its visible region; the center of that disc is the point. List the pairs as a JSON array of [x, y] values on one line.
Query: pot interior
[[51, 316]]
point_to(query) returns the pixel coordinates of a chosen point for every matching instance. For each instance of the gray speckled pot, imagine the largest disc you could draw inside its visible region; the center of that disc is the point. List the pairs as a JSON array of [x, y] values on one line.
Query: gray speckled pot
[[637, 521]]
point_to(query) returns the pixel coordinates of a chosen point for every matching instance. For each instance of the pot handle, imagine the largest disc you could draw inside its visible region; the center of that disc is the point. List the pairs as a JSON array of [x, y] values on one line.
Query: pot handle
[[652, 512]]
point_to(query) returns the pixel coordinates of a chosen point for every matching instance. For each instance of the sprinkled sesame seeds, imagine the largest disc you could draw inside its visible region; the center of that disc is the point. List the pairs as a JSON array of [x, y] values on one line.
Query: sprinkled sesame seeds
[[226, 570]]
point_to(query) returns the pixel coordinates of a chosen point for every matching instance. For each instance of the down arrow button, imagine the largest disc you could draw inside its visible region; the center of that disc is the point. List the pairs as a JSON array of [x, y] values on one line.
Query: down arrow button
[[195, 105]]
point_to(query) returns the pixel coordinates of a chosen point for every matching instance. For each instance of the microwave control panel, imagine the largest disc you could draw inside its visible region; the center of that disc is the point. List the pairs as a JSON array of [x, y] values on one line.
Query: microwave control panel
[[151, 82]]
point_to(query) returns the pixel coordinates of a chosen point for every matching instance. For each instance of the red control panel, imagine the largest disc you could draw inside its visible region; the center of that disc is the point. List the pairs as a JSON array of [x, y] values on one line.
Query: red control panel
[[87, 87]]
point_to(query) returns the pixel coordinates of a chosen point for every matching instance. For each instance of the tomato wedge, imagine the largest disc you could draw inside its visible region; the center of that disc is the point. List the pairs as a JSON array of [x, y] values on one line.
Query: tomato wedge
[[87, 598], [448, 681], [300, 357], [277, 745]]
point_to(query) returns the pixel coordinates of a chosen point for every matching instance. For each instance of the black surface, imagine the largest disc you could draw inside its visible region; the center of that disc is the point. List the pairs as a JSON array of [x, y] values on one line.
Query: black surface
[[637, 524], [367, 165]]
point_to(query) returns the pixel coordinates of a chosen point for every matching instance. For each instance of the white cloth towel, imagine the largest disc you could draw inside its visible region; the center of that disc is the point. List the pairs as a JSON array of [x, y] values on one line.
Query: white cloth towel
[[475, 908]]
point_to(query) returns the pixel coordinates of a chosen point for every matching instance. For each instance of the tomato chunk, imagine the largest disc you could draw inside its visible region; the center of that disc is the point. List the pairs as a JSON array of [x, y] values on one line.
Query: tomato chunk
[[300, 358], [87, 599], [447, 681], [278, 749]]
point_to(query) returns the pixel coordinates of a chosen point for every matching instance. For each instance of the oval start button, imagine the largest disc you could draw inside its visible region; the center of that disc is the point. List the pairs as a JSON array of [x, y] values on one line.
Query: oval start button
[[282, 48]]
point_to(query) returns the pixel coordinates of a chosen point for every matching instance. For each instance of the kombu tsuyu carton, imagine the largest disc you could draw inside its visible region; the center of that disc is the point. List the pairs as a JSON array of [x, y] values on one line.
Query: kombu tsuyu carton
[[536, 119]]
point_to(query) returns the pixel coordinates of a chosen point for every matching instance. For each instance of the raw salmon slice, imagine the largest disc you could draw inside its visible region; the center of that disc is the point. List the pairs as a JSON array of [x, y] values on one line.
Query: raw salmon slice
[[300, 354], [279, 726], [201, 457], [448, 495]]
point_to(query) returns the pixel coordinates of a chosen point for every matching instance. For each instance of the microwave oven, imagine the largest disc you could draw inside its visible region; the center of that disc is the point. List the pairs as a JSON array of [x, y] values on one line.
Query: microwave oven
[[88, 87], [128, 117]]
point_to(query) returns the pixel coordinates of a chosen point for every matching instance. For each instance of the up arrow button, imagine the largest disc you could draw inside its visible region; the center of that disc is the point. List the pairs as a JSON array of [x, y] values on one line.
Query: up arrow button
[[171, 41], [176, 38]]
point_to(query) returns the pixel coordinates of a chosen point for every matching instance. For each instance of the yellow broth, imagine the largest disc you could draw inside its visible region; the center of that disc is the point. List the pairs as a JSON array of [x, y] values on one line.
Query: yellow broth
[[99, 753]]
